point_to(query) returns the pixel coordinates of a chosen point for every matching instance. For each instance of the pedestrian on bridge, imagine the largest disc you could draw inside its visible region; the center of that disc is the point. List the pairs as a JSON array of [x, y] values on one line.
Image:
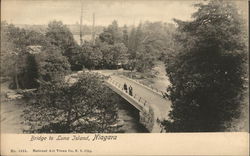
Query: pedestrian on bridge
[[125, 87], [130, 89]]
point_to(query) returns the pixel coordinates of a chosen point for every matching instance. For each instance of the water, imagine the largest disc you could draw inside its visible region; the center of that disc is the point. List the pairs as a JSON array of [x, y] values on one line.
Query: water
[[130, 116]]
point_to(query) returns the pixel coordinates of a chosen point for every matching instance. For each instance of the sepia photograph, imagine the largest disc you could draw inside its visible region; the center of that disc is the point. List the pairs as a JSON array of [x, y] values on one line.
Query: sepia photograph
[[124, 67]]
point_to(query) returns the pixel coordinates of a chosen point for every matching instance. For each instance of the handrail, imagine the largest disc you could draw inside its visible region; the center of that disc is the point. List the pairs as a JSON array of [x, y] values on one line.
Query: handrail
[[138, 98], [159, 92]]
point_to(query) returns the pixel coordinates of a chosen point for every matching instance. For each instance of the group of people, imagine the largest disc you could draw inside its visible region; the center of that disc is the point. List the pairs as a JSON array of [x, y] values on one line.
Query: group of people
[[128, 89]]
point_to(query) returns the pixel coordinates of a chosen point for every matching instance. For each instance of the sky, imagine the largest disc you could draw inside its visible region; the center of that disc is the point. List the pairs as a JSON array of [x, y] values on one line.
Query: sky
[[124, 11], [127, 12]]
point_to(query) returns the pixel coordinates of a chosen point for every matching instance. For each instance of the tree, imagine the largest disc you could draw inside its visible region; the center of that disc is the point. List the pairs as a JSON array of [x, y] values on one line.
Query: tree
[[131, 44], [53, 66], [86, 106], [60, 36], [119, 53], [113, 55], [16, 62], [90, 56], [146, 43], [208, 73], [31, 75], [145, 58], [111, 34], [125, 35]]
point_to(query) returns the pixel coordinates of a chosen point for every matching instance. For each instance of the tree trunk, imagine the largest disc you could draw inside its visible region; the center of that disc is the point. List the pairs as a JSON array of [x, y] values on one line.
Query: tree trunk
[[16, 77], [69, 115]]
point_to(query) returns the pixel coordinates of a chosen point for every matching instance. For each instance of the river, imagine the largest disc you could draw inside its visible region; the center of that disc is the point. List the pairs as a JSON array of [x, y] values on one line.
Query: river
[[130, 116]]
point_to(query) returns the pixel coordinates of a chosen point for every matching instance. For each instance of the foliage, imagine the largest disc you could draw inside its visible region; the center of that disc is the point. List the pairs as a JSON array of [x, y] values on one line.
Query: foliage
[[113, 55], [148, 43], [85, 106], [27, 56], [60, 36], [208, 73], [7, 51], [89, 56], [135, 49], [125, 35], [101, 56], [52, 65], [112, 34], [16, 62]]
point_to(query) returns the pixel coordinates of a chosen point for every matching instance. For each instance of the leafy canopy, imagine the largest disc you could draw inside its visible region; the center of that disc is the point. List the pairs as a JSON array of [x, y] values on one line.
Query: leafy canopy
[[86, 106], [208, 72]]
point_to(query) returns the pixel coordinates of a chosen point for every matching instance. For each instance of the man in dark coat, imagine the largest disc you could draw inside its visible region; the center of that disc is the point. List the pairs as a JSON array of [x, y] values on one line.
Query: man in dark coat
[[130, 90], [125, 87]]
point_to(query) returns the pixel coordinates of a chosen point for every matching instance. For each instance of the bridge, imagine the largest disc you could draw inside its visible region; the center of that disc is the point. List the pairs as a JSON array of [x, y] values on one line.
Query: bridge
[[150, 102]]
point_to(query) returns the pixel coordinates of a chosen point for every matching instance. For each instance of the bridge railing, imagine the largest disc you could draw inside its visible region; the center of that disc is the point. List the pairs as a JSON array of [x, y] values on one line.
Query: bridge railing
[[157, 91], [135, 96]]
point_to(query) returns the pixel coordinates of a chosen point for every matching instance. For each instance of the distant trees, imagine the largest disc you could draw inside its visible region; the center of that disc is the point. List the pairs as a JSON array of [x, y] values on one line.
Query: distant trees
[[208, 73], [25, 55], [135, 49], [115, 47], [86, 106], [125, 35], [148, 43], [108, 52], [112, 34], [112, 46]]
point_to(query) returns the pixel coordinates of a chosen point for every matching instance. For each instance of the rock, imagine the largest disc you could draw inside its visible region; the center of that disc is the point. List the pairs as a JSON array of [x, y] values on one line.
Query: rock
[[74, 75], [72, 80], [120, 123], [79, 72], [13, 96]]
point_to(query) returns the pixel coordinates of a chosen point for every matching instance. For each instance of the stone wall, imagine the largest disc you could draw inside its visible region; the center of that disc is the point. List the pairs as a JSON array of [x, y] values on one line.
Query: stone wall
[[147, 119]]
